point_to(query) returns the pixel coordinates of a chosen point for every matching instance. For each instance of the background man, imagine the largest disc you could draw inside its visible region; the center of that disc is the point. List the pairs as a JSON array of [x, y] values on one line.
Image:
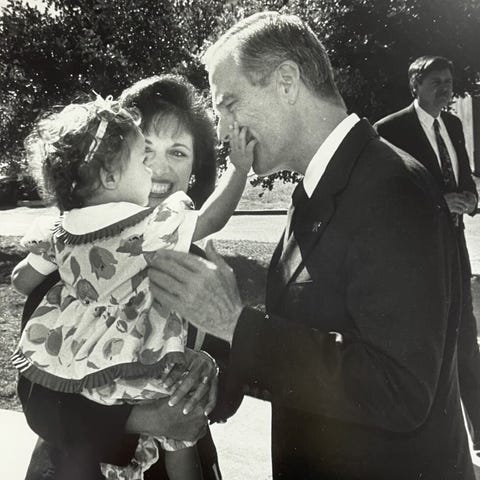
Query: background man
[[435, 138], [357, 350]]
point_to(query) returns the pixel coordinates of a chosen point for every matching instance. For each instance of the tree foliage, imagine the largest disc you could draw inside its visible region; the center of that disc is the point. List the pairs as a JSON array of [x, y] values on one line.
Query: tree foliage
[[49, 56]]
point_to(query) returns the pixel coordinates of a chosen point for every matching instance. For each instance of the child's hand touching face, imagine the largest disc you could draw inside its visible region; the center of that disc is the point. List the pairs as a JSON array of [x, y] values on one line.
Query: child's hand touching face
[[241, 151]]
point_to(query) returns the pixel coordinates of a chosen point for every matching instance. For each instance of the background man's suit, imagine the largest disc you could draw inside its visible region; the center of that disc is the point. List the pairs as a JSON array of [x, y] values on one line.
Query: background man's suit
[[372, 258], [404, 130]]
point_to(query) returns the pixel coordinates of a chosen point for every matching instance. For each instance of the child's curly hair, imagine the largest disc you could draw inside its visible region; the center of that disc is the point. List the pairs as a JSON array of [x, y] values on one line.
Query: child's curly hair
[[63, 156]]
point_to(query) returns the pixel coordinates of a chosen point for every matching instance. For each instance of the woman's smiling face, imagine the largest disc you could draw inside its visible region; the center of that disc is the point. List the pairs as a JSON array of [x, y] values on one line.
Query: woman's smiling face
[[169, 153]]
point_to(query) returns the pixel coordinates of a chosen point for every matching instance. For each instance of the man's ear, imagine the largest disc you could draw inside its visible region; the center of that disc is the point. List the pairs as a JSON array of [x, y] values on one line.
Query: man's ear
[[108, 179], [288, 81], [414, 88]]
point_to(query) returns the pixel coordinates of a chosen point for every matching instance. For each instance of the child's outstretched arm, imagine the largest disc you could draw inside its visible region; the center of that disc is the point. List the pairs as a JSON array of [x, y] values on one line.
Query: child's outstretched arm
[[25, 278], [221, 204]]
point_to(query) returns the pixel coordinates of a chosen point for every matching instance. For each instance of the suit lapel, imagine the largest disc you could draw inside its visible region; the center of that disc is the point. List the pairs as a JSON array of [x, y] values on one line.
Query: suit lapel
[[289, 257]]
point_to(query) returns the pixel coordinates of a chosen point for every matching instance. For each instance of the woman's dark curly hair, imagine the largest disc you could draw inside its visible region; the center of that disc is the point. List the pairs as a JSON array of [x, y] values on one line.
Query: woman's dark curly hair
[[159, 98], [58, 150]]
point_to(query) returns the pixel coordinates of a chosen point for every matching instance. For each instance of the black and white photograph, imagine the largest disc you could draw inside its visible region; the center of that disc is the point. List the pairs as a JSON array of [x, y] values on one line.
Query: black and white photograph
[[239, 239]]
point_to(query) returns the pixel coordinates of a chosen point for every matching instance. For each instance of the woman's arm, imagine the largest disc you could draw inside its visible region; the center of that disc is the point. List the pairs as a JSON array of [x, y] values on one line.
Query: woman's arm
[[25, 278]]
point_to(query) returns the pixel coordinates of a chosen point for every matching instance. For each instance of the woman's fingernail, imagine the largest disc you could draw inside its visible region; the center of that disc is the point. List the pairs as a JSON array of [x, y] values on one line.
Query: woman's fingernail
[[185, 411]]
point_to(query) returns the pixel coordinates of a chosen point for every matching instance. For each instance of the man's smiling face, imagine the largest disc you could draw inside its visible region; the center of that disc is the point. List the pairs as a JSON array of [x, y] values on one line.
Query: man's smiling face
[[256, 107], [434, 92]]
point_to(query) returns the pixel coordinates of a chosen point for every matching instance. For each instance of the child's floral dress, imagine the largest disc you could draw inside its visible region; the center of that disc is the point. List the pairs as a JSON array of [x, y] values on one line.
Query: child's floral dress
[[96, 332]]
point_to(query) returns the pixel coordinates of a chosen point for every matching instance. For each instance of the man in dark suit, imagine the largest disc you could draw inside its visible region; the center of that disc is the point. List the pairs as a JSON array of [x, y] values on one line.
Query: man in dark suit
[[414, 129], [357, 351]]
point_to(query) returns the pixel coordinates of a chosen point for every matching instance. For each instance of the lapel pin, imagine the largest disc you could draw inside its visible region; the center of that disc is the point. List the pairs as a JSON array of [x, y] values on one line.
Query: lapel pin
[[316, 226]]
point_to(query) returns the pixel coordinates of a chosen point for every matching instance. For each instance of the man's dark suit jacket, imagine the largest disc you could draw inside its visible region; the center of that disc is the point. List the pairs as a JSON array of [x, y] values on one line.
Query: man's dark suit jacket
[[357, 352], [79, 433], [404, 130]]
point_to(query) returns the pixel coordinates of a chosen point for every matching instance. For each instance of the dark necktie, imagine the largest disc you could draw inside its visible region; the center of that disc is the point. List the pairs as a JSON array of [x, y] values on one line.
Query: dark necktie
[[449, 181], [299, 196]]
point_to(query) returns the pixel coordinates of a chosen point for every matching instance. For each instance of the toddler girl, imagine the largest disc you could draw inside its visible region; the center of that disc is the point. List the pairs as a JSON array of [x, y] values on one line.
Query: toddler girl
[[97, 332]]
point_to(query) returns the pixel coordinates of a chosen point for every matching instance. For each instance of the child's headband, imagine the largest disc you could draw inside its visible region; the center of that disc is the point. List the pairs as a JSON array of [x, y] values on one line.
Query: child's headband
[[103, 104], [106, 104]]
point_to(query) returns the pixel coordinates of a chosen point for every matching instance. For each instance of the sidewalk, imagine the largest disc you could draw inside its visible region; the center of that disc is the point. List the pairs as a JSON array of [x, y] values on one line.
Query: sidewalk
[[260, 228], [243, 443]]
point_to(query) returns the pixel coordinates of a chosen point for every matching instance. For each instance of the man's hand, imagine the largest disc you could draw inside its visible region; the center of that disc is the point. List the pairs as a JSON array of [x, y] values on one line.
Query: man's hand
[[203, 292], [159, 419], [461, 203], [471, 202]]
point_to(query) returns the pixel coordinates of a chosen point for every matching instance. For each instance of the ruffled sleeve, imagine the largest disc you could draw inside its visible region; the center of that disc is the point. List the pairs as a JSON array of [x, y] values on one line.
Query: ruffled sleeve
[[172, 224], [39, 243]]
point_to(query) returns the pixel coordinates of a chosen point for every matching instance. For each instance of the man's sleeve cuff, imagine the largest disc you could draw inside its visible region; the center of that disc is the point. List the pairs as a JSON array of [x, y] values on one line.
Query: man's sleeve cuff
[[247, 346]]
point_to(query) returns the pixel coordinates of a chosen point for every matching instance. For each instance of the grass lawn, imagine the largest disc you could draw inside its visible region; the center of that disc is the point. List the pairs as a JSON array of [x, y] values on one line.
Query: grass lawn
[[250, 262], [256, 198]]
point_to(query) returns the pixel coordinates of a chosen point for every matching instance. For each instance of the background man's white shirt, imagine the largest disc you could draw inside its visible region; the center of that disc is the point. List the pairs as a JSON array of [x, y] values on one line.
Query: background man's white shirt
[[426, 121]]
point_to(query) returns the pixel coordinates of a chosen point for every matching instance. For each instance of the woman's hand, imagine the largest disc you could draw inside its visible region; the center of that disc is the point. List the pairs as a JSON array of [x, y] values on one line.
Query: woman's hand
[[198, 379], [159, 419]]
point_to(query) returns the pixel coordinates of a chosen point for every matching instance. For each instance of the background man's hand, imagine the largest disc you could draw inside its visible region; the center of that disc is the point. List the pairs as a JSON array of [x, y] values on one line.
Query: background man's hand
[[470, 202], [204, 292], [461, 203]]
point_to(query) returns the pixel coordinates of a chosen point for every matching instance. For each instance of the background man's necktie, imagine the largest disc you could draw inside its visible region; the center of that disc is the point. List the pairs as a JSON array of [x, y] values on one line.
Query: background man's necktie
[[449, 180], [447, 169]]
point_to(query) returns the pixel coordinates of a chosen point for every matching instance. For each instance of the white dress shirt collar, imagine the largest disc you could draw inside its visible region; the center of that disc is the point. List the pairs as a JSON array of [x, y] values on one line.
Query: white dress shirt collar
[[424, 117], [317, 166]]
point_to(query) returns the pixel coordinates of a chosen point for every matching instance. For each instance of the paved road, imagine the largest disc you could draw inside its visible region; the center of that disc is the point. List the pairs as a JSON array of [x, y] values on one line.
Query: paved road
[[261, 228]]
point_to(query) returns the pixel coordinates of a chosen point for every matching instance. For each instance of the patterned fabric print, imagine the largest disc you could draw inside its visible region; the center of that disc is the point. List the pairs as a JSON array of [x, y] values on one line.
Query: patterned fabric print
[[97, 325], [146, 455]]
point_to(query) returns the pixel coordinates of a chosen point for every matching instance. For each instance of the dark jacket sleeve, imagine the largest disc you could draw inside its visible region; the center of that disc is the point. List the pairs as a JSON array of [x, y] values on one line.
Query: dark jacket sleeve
[[67, 420]]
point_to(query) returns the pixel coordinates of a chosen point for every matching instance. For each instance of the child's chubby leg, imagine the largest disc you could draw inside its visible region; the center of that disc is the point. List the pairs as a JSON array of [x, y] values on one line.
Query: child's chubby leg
[[183, 464]]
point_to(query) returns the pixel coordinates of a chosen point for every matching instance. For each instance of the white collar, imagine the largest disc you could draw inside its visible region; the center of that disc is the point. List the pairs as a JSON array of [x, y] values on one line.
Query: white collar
[[424, 116], [90, 219], [317, 166]]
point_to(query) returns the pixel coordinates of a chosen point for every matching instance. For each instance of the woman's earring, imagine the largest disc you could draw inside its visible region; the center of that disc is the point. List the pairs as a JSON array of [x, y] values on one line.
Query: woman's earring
[[191, 181]]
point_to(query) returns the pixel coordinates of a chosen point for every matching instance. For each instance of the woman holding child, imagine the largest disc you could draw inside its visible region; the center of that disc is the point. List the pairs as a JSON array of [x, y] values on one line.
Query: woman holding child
[[104, 207]]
